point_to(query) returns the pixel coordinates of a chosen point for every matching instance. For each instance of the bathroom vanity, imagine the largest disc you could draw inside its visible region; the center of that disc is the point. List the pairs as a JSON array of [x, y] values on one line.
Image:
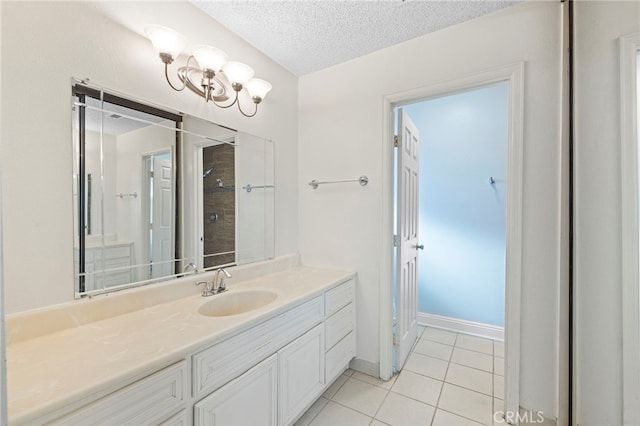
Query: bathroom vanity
[[260, 353]]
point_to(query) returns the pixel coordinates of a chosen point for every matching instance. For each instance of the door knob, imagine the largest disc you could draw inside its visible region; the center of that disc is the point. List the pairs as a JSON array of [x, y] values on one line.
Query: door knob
[[420, 247]]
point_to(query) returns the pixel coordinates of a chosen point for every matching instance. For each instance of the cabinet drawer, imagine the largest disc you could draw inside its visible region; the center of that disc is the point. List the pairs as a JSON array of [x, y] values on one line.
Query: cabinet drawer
[[118, 262], [149, 401], [339, 356], [339, 325], [180, 419], [219, 364], [338, 297], [113, 252]]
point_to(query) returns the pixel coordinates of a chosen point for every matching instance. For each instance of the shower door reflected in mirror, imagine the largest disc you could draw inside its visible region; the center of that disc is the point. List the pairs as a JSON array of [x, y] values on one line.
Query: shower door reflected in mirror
[[125, 205]]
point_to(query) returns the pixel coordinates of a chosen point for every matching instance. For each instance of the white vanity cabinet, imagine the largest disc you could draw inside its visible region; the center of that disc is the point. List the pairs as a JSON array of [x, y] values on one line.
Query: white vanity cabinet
[[340, 324], [116, 256], [267, 373], [303, 350]]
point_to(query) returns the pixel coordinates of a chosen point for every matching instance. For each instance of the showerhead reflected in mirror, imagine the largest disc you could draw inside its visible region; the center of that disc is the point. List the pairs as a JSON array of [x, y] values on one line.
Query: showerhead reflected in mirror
[[135, 167]]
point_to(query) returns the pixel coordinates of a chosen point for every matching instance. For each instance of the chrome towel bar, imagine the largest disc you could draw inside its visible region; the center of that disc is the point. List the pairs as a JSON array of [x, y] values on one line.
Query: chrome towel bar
[[250, 188], [363, 180]]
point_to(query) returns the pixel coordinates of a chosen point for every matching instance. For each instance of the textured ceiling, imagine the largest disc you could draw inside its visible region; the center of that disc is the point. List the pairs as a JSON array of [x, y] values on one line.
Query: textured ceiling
[[308, 35]]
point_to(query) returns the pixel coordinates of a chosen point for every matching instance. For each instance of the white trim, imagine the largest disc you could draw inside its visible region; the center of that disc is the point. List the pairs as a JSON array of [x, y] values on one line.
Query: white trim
[[629, 46], [514, 74], [367, 367], [488, 331]]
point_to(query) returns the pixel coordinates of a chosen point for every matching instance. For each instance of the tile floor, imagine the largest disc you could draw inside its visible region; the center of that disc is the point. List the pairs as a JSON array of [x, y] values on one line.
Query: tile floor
[[449, 379]]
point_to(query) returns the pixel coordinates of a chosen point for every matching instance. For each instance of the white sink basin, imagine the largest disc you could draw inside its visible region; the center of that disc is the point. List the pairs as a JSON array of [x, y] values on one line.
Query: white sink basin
[[237, 302]]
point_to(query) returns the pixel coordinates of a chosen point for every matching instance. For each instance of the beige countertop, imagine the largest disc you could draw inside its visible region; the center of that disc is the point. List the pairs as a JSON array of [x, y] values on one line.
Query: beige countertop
[[77, 365]]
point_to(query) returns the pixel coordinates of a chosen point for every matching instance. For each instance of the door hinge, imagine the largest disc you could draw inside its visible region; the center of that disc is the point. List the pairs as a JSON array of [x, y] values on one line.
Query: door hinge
[[396, 141], [396, 240], [151, 173], [396, 340]]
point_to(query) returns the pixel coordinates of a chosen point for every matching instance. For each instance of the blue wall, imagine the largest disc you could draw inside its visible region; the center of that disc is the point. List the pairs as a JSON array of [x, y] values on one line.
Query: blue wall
[[463, 142]]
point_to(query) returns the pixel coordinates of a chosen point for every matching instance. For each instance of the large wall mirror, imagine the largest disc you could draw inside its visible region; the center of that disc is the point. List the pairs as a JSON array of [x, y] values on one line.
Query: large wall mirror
[[158, 195]]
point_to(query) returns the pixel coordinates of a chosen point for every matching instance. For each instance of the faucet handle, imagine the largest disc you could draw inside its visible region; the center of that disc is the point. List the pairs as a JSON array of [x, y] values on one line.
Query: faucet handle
[[207, 288]]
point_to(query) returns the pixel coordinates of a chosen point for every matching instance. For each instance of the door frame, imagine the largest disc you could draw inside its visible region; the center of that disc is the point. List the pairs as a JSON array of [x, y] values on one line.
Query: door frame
[[629, 47], [514, 75]]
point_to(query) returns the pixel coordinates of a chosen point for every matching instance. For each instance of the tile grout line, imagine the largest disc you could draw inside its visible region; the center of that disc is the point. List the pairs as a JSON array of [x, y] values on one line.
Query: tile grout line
[[443, 380]]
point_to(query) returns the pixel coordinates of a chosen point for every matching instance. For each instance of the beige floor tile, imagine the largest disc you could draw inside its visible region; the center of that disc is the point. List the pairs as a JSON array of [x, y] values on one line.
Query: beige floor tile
[[444, 418], [417, 386], [336, 415], [498, 366], [376, 422], [474, 343], [470, 378], [498, 386], [466, 403], [531, 418], [402, 411], [440, 336], [335, 386], [433, 349], [498, 348], [349, 372], [312, 412], [374, 380], [360, 396], [473, 359], [426, 365]]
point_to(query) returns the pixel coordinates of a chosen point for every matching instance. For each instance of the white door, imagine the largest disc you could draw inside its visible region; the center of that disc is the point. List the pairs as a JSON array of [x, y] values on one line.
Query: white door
[[407, 251], [161, 246]]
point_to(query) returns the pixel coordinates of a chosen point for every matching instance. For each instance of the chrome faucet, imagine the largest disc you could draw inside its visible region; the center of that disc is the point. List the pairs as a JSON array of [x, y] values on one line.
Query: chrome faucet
[[214, 286], [190, 266], [221, 285]]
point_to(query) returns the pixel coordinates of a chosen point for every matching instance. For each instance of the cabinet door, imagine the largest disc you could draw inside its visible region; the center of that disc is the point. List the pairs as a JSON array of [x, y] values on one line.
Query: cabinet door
[[251, 399], [301, 374]]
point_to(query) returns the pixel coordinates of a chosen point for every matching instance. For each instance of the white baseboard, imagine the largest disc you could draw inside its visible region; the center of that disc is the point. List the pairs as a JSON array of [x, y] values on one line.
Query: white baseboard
[[366, 367], [479, 329]]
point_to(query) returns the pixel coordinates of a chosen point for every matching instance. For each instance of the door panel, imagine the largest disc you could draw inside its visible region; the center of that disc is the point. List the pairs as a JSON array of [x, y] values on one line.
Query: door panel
[[407, 279]]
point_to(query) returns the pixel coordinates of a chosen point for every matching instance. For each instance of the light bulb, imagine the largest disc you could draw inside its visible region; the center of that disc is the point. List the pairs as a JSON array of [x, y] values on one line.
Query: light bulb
[[258, 89], [209, 57], [238, 74], [166, 42]]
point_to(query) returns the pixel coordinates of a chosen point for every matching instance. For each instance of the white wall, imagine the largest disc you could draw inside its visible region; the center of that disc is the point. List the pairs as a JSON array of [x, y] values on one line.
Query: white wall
[[598, 370], [44, 44], [341, 136]]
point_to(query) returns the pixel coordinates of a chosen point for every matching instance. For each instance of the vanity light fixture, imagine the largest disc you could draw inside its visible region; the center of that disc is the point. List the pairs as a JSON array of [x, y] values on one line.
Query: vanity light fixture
[[214, 78]]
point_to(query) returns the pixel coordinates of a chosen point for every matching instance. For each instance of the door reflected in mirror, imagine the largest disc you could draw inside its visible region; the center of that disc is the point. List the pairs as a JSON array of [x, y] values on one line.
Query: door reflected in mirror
[[159, 194]]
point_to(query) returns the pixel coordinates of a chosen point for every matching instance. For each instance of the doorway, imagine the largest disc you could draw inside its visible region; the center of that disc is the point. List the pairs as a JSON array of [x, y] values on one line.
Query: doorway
[[513, 76], [157, 205]]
